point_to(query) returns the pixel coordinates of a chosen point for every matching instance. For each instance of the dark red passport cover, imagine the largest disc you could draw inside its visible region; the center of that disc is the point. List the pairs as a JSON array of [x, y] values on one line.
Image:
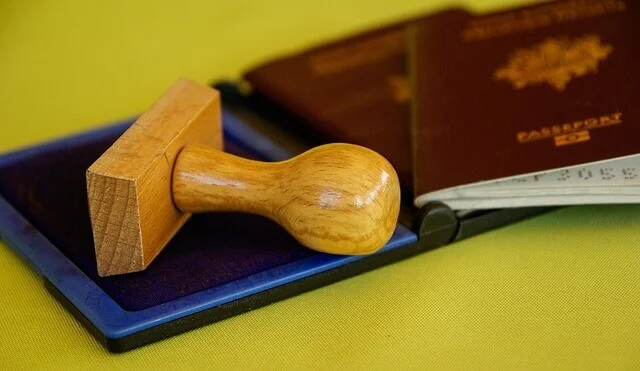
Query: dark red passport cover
[[352, 90], [525, 90]]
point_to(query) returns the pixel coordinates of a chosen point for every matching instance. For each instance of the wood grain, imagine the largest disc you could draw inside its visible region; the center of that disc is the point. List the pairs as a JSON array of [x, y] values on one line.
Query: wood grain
[[336, 198], [129, 187]]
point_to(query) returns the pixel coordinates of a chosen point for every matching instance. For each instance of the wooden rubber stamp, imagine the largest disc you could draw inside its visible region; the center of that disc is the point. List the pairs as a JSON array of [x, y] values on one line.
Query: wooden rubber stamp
[[336, 198]]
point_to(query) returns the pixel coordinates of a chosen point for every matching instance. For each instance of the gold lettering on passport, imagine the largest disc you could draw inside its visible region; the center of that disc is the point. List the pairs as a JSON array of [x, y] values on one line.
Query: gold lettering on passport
[[554, 61], [570, 132], [491, 26], [577, 137], [357, 54]]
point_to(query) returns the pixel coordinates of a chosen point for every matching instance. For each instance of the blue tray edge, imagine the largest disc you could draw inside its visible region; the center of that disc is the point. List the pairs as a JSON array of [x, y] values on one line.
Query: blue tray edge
[[104, 313]]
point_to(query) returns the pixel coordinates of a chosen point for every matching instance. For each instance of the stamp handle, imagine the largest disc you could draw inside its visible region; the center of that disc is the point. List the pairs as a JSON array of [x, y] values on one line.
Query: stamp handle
[[337, 198]]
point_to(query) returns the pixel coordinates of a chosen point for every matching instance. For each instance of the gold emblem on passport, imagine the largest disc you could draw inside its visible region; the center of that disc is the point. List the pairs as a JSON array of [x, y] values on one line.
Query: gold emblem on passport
[[570, 132], [400, 88], [555, 61]]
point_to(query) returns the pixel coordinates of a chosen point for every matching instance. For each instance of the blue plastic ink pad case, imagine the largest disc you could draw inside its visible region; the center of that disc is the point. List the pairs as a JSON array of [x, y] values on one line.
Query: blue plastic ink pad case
[[218, 265]]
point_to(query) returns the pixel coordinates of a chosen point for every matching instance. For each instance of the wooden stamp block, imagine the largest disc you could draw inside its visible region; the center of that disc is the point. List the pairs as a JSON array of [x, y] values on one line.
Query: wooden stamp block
[[337, 198]]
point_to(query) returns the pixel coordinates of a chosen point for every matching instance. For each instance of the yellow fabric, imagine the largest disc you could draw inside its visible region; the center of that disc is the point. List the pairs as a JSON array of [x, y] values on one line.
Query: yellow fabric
[[557, 291]]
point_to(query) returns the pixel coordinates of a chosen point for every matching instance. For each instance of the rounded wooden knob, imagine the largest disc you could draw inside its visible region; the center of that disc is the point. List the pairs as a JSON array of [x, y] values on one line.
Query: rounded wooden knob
[[336, 198]]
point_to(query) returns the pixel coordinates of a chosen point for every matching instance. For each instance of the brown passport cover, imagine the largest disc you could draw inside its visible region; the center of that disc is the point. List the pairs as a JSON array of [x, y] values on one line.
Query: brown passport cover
[[352, 90], [525, 90]]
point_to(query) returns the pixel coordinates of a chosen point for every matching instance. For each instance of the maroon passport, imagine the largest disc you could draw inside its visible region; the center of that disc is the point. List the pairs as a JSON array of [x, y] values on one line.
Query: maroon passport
[[352, 90], [543, 87]]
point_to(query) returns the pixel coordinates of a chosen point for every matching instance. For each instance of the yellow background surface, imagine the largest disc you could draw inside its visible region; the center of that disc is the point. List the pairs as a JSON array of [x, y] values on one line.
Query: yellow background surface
[[557, 291]]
